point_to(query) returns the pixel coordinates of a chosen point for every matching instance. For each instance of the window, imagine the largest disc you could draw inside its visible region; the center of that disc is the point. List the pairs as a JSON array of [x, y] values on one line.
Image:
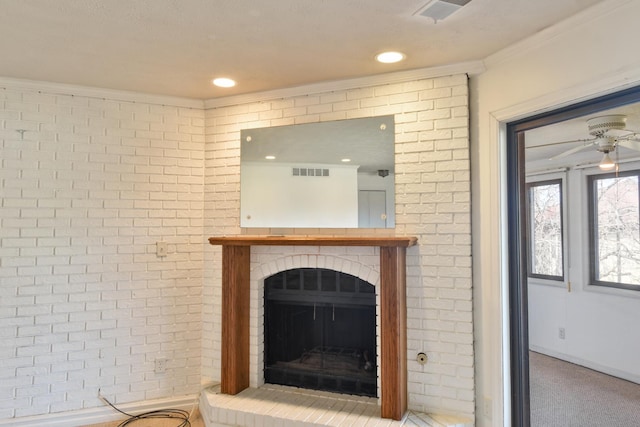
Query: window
[[545, 230], [614, 220]]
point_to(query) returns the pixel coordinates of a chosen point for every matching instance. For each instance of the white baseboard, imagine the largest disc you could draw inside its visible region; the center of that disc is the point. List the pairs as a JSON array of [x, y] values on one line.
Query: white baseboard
[[588, 364], [102, 414]]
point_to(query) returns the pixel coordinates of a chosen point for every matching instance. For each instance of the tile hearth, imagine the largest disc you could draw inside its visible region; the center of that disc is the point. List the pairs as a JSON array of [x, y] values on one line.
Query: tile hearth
[[279, 406]]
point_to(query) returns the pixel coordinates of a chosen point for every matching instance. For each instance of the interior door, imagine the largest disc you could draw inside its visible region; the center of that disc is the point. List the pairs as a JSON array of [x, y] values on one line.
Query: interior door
[[372, 209]]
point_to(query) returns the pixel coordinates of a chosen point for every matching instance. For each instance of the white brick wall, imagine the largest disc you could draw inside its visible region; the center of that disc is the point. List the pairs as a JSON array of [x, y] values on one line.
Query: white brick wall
[[87, 191], [94, 183], [432, 203]]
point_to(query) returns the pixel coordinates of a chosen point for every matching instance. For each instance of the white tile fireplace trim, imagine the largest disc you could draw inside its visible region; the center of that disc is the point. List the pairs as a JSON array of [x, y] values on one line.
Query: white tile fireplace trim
[[266, 262]]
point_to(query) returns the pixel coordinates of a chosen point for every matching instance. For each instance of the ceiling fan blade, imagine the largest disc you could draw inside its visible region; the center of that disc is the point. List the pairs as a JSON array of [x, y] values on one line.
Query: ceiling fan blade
[[632, 144], [573, 150], [550, 144], [619, 133]]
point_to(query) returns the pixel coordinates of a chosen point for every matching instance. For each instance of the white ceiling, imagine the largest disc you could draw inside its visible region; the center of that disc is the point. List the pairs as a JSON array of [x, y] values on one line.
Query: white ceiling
[[175, 47]]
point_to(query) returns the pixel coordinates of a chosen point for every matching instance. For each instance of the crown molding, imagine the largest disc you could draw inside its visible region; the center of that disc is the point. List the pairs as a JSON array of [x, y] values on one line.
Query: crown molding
[[548, 34], [98, 93], [470, 68]]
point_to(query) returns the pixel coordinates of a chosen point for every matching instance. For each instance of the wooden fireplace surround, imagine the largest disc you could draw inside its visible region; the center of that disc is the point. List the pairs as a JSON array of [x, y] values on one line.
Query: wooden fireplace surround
[[393, 311]]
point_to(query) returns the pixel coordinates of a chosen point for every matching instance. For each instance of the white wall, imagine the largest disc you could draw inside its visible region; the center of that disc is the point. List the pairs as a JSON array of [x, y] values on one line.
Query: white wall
[[270, 196], [596, 320], [586, 56]]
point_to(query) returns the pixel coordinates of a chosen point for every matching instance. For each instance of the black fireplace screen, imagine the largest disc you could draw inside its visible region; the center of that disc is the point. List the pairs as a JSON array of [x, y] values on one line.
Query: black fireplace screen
[[320, 331]]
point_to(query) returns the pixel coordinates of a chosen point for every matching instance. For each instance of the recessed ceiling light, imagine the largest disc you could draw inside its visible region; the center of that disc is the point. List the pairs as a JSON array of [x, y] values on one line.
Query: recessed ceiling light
[[270, 157], [346, 160], [390, 57], [224, 82]]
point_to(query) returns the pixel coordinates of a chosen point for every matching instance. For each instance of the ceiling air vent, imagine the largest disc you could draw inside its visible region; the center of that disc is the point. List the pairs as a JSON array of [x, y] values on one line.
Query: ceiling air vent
[[309, 172], [440, 9]]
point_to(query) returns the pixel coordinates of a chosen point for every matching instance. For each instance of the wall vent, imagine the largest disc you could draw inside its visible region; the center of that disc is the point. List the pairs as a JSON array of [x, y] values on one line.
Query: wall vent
[[309, 172], [440, 9]]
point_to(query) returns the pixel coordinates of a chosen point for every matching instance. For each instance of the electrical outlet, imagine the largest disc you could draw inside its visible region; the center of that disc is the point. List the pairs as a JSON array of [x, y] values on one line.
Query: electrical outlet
[[161, 366], [561, 333], [161, 249]]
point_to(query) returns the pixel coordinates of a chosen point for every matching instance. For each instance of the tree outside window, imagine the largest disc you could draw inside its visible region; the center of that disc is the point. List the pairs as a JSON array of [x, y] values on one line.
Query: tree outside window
[[615, 229], [545, 230]]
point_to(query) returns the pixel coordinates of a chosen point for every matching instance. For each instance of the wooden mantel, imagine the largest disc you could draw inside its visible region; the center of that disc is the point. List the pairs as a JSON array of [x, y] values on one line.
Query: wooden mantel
[[313, 241], [393, 310]]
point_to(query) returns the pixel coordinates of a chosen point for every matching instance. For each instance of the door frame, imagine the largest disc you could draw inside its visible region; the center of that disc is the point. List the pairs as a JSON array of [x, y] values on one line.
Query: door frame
[[516, 244]]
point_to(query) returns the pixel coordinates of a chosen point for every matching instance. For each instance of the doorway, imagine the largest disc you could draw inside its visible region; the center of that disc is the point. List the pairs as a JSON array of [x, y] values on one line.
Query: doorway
[[372, 208], [517, 237]]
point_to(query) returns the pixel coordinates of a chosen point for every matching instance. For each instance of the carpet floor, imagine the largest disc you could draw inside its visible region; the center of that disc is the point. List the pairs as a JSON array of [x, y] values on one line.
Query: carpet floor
[[564, 394]]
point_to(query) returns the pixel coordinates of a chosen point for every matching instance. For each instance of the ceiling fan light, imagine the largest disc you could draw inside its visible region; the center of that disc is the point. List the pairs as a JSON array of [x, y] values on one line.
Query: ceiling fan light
[[606, 163]]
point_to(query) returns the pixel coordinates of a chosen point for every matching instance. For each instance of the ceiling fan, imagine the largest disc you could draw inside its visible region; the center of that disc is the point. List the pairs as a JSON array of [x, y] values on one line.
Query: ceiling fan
[[608, 133]]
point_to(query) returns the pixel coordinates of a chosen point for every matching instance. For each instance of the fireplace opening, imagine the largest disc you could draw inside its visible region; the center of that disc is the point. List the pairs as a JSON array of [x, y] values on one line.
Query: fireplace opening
[[320, 331]]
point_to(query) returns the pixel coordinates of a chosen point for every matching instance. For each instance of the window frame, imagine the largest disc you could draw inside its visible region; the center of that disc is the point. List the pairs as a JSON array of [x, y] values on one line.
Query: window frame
[[593, 260], [541, 181]]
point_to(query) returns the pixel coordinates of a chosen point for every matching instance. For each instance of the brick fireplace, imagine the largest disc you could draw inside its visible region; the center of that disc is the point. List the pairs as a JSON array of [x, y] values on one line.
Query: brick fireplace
[[236, 350], [432, 203]]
